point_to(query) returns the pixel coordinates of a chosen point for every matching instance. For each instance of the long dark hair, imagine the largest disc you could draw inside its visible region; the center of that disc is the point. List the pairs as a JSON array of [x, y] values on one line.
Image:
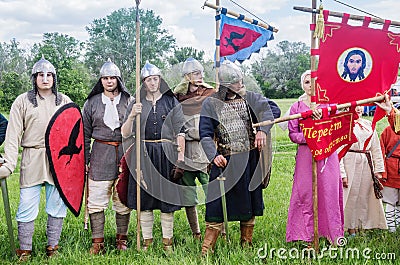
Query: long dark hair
[[360, 72]]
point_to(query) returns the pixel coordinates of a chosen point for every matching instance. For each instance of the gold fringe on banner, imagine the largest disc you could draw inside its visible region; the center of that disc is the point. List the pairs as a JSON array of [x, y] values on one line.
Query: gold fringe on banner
[[319, 27]]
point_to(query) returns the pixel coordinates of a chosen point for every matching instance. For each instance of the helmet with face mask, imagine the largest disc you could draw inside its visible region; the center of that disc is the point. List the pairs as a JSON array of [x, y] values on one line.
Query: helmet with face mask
[[148, 70], [229, 73], [45, 67], [109, 69]]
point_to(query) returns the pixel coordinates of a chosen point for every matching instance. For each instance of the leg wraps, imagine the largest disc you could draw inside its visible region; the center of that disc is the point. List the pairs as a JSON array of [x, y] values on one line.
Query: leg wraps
[[390, 213], [25, 234], [167, 224], [122, 222], [54, 228], [97, 221], [146, 222], [191, 214]]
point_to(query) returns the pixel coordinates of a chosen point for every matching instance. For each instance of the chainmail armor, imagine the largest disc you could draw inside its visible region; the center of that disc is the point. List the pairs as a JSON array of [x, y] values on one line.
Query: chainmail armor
[[235, 132]]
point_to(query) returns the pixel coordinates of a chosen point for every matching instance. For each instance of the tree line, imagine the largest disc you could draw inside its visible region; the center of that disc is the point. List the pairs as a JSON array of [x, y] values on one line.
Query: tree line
[[276, 73]]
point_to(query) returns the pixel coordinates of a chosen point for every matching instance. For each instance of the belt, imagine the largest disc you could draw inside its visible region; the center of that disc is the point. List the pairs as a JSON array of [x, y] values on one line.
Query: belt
[[376, 184], [158, 141], [369, 159], [108, 142], [115, 144]]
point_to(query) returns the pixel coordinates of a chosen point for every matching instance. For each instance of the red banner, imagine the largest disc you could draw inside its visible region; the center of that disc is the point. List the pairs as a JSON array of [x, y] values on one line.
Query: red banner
[[325, 136], [356, 62]]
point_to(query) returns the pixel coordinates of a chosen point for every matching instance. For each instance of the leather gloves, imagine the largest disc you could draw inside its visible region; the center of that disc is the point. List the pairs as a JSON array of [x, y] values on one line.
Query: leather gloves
[[177, 171]]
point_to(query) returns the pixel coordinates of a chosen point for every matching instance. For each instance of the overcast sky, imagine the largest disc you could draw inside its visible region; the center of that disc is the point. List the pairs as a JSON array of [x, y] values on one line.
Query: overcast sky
[[27, 20]]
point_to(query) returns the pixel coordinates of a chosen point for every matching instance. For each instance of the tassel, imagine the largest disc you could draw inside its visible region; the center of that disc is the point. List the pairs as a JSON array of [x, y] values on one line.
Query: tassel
[[396, 120], [319, 27]]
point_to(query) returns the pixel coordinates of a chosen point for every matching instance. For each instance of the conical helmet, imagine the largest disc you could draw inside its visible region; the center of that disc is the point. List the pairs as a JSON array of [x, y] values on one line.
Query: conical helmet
[[191, 65], [229, 73], [43, 66], [148, 70], [109, 69]]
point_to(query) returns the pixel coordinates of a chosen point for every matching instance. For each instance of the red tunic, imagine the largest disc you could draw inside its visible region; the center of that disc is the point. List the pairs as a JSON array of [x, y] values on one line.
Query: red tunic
[[392, 164]]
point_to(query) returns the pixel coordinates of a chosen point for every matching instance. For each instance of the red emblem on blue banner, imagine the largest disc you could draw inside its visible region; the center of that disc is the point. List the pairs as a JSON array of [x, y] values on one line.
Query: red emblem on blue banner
[[239, 39]]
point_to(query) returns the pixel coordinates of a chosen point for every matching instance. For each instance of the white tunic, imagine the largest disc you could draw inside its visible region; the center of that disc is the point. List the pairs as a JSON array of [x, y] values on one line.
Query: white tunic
[[26, 128], [361, 208]]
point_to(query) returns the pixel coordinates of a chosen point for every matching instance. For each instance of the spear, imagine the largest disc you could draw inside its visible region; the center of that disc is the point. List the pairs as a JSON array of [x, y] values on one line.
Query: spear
[[138, 174], [6, 202]]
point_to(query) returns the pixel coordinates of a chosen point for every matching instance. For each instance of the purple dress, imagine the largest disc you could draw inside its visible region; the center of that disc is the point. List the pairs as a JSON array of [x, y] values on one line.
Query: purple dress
[[300, 224]]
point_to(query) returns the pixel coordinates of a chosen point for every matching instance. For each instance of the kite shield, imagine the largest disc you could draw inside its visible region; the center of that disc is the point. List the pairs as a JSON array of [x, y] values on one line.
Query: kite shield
[[65, 152]]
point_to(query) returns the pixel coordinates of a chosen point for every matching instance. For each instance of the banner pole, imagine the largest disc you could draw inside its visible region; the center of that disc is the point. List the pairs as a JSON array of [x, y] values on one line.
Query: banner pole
[[217, 46], [237, 15], [314, 44], [339, 107], [352, 17]]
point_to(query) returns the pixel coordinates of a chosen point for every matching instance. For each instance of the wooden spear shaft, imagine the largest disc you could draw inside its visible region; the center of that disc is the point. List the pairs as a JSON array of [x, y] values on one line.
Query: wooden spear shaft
[[339, 107], [234, 14], [7, 211], [138, 148]]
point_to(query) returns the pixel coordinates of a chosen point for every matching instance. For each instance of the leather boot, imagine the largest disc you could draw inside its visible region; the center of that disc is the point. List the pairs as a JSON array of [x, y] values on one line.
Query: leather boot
[[147, 244], [197, 236], [23, 255], [210, 238], [167, 245], [51, 251], [97, 246], [122, 242], [246, 235]]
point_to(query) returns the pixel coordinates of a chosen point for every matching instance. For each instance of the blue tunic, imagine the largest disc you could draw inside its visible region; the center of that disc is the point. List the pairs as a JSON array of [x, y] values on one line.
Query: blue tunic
[[3, 128]]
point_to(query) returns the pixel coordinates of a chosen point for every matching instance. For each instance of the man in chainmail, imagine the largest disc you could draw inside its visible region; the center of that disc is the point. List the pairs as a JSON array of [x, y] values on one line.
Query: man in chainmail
[[234, 149]]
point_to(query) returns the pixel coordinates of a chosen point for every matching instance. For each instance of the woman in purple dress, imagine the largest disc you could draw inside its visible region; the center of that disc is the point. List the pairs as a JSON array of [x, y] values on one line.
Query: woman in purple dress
[[300, 225]]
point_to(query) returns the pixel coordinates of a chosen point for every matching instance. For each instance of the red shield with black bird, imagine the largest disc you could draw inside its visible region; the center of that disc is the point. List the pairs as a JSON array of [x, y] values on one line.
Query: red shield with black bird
[[65, 152]]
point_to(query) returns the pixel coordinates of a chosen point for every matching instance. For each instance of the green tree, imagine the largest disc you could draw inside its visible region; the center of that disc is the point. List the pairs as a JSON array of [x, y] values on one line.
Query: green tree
[[182, 53], [13, 69], [11, 85], [12, 58], [64, 52], [279, 71], [114, 37]]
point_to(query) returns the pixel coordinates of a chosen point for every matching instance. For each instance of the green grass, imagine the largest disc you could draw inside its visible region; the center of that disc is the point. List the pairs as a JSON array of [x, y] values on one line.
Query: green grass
[[269, 230]]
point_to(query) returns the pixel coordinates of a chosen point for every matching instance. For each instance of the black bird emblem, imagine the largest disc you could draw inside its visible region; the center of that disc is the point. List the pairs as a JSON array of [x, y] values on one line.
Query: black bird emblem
[[71, 149], [233, 36]]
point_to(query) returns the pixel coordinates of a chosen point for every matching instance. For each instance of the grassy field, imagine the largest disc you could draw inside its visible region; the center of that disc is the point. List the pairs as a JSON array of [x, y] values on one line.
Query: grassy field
[[269, 232]]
